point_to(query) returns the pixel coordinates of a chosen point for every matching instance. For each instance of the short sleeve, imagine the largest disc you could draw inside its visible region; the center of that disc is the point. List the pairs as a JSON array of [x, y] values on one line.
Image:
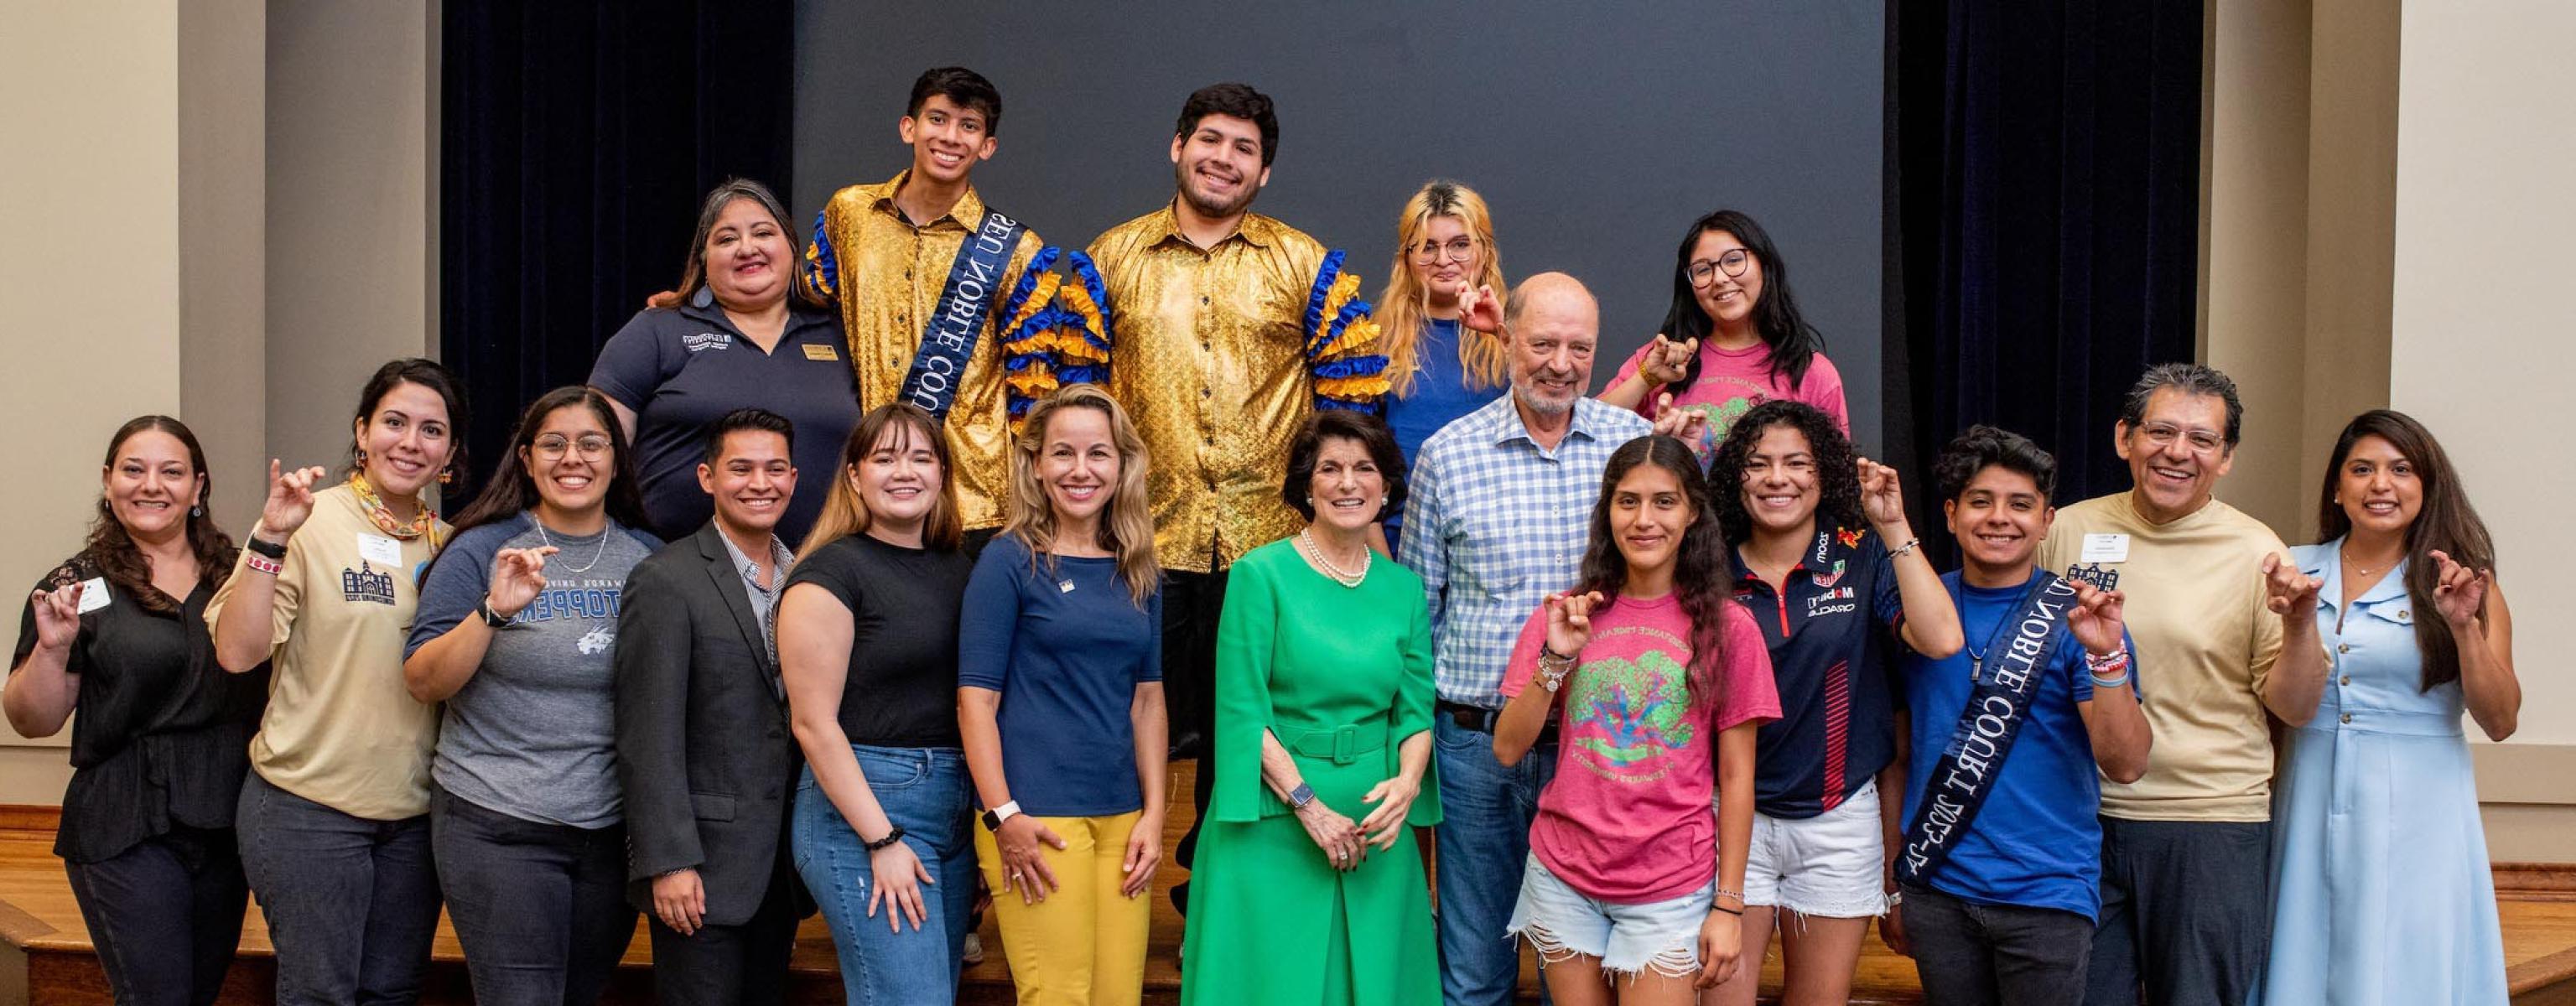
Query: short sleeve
[[1524, 660], [1151, 668], [2264, 649], [634, 363], [456, 585], [1752, 694], [828, 569], [988, 625], [1823, 388], [61, 576]]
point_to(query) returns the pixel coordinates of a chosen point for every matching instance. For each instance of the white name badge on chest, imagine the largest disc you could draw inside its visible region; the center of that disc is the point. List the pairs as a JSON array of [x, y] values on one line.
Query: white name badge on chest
[[2105, 548], [93, 594], [379, 550]]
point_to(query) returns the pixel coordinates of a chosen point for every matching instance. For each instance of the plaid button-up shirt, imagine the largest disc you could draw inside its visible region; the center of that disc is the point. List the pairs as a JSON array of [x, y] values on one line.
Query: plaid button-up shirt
[[1493, 524]]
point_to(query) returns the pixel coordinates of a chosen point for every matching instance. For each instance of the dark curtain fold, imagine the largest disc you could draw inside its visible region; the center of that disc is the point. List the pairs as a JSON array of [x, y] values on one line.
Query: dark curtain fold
[[575, 143], [2048, 158]]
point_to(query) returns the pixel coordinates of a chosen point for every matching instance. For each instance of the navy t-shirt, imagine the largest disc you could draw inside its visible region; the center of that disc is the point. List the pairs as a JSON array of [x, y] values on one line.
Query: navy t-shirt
[[681, 369], [1066, 647], [1438, 397], [1832, 637], [2037, 842]]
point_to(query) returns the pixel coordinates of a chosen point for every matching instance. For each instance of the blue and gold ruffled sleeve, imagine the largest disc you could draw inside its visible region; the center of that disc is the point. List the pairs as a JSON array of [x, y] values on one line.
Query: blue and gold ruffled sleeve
[[1342, 346]]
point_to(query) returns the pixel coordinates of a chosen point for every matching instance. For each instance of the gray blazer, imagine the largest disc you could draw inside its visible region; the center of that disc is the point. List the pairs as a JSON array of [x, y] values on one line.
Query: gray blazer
[[703, 748]]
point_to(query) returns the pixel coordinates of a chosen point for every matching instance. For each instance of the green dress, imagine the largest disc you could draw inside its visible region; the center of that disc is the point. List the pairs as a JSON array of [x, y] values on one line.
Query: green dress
[[1341, 675]]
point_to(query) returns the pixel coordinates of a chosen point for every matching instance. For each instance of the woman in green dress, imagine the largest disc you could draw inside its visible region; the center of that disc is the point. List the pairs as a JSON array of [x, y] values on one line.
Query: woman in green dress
[[1309, 887]]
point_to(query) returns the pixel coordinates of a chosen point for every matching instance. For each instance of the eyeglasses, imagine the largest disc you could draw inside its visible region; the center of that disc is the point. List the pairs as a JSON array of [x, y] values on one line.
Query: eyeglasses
[[552, 448], [1458, 249], [2164, 435], [1733, 264]]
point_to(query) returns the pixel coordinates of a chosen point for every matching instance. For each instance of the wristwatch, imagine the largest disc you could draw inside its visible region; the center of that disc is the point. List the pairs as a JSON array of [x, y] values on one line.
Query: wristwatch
[[1301, 796], [993, 818], [490, 617]]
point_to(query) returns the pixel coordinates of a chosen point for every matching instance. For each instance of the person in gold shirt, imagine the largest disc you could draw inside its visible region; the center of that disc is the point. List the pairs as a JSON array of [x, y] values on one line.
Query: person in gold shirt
[[934, 287], [1226, 330]]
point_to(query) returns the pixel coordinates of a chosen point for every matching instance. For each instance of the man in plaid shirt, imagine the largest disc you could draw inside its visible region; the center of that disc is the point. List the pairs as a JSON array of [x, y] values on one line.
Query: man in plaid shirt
[[1499, 504]]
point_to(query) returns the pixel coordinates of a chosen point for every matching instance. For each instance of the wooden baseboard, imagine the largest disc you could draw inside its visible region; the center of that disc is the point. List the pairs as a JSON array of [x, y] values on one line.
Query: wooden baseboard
[[30, 817]]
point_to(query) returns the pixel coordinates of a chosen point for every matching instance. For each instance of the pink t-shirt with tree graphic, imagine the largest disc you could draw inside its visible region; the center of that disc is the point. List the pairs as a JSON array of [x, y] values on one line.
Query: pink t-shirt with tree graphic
[[1732, 382], [1627, 819]]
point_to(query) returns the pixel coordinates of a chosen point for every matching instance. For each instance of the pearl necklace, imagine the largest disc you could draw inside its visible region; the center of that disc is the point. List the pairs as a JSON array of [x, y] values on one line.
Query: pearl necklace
[[1306, 543]]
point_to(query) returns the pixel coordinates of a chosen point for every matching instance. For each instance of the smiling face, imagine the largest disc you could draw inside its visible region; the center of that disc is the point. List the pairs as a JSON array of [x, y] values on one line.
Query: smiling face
[[1727, 300], [751, 480], [1551, 351], [571, 460], [946, 139], [1444, 254], [1649, 510], [1219, 165], [1999, 519], [898, 480], [2176, 453], [748, 255], [1078, 464], [406, 440], [150, 485], [1348, 489], [2379, 488], [1780, 483]]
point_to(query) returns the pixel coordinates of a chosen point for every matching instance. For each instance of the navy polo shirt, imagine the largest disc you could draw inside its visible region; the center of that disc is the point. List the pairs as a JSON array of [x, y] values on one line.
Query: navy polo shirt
[[681, 369], [1833, 638]]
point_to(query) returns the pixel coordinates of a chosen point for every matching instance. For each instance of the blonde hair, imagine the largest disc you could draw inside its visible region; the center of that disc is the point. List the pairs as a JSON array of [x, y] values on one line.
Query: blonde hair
[[845, 514], [1400, 312], [1127, 524]]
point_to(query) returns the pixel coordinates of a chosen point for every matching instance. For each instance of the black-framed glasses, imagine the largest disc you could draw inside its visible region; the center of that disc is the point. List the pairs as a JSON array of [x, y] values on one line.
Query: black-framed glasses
[[1733, 264], [553, 447], [1457, 249]]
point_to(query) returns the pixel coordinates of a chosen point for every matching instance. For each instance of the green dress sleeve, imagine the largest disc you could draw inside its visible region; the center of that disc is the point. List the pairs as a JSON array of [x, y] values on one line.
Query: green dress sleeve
[[1414, 697], [1245, 636]]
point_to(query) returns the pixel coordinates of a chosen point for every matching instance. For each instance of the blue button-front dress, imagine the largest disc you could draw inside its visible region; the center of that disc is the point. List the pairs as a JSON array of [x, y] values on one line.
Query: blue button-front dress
[[2381, 884]]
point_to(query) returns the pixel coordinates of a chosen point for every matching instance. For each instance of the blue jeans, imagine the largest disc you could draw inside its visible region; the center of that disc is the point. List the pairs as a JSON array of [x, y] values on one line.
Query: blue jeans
[[165, 916], [351, 903], [1483, 837], [540, 909], [924, 791]]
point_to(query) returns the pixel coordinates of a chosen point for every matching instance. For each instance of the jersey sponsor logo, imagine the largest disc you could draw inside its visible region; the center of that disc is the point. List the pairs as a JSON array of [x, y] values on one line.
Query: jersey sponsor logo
[[1836, 601], [367, 584], [706, 340], [1829, 577], [1850, 538]]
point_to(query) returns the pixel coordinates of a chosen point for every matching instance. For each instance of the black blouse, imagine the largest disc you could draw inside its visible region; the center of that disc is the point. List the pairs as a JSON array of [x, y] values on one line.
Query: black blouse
[[161, 738]]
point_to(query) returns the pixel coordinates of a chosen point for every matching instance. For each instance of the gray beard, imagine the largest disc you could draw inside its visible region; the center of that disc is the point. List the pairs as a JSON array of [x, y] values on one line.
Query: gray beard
[[1541, 406]]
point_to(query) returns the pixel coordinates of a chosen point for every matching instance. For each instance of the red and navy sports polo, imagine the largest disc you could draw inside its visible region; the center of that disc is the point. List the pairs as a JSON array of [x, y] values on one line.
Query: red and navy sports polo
[[1833, 659]]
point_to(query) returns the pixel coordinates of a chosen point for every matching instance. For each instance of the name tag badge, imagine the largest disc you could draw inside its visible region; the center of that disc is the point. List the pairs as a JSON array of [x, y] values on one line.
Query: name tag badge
[[819, 352], [2105, 548], [380, 551], [93, 594]]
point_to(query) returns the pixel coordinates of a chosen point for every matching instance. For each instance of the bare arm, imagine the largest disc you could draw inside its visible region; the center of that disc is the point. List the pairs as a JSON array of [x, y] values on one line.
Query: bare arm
[[625, 416], [247, 631], [1145, 716], [814, 635], [2298, 676], [42, 689], [2472, 604]]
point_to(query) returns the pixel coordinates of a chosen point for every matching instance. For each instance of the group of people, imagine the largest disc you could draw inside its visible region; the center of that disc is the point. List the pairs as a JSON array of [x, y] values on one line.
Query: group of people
[[891, 576]]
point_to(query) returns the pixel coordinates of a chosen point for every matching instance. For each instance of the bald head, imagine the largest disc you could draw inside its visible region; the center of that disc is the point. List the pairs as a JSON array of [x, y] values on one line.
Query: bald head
[[1554, 324]]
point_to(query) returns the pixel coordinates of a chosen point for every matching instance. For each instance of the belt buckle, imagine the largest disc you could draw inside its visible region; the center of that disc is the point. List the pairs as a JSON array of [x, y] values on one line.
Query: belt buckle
[[1346, 744]]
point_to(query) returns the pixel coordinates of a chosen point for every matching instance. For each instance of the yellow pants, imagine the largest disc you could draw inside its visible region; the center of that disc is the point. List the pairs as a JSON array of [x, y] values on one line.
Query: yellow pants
[[1085, 944]]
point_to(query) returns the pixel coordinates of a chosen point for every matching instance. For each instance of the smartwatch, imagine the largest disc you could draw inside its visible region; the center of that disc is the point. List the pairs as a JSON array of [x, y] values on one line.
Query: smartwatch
[[993, 818], [1301, 796]]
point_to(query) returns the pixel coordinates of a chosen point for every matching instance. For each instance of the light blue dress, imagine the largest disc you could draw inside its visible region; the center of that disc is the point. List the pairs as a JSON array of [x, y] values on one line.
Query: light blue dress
[[2381, 887]]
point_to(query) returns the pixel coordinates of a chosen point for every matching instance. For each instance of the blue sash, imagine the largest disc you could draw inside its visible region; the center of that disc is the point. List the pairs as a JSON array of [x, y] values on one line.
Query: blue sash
[[1996, 711], [965, 303]]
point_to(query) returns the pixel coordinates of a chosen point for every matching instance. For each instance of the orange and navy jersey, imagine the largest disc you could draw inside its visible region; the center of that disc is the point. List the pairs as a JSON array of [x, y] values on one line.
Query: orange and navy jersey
[[1831, 627]]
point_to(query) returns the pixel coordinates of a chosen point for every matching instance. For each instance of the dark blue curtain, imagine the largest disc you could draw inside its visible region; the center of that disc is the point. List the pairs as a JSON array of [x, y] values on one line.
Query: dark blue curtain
[[575, 143], [2047, 166]]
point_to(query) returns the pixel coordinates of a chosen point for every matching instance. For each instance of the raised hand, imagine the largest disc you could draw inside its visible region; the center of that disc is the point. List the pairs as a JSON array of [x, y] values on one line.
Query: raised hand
[[2459, 593], [1882, 498], [518, 575], [1569, 621], [2288, 592], [290, 500], [2095, 619], [1684, 424], [57, 616], [1479, 310], [1667, 361]]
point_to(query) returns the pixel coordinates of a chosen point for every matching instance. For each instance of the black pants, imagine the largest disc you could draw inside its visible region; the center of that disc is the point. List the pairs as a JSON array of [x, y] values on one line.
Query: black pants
[[165, 916], [730, 965], [540, 909], [1192, 603], [2186, 913], [1972, 954]]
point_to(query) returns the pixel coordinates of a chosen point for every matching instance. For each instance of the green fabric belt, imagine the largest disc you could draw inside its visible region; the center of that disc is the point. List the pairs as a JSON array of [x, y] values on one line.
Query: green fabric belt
[[1341, 745]]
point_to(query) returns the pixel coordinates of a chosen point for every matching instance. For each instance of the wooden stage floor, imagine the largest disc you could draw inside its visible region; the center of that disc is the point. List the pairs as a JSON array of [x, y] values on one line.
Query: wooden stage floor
[[46, 958]]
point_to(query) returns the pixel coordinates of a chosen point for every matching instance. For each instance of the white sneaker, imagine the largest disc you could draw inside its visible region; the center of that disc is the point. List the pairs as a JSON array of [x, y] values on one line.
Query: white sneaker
[[973, 952]]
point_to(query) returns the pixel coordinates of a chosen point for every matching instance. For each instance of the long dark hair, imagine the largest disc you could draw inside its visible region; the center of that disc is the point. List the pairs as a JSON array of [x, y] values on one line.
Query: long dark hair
[[1701, 571], [112, 551], [2447, 523], [1837, 482], [693, 272], [1794, 343], [441, 382], [513, 491]]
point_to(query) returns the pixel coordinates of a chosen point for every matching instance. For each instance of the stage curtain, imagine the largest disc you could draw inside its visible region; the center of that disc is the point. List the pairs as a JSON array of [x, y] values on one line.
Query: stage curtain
[[2047, 163], [576, 139]]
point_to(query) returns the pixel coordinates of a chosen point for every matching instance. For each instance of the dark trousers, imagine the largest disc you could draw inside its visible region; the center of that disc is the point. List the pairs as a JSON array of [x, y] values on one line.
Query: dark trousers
[[730, 965], [1192, 603], [1972, 954], [351, 903], [540, 909], [165, 916], [2186, 913]]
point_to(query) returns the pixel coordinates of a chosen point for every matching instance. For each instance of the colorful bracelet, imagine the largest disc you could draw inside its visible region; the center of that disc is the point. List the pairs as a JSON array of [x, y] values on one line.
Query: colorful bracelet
[[261, 563]]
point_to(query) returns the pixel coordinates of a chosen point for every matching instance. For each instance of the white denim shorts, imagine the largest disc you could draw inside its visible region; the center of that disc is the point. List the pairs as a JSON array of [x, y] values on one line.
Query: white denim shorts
[[1831, 866], [1559, 921]]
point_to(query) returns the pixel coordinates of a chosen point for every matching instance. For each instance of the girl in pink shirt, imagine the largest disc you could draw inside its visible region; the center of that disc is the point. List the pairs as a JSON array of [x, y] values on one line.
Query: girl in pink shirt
[[1664, 680], [1733, 338]]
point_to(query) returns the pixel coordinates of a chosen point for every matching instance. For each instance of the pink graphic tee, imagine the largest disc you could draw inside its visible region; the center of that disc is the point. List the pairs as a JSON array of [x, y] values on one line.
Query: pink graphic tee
[[1732, 382], [1627, 818]]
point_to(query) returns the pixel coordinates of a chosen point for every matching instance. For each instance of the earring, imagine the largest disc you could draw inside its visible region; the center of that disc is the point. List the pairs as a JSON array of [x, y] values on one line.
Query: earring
[[362, 457], [446, 475], [197, 511]]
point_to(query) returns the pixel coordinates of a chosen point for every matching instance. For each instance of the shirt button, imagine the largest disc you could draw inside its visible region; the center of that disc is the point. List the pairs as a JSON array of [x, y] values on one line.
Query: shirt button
[[2343, 647], [2347, 717], [2345, 680], [1203, 299]]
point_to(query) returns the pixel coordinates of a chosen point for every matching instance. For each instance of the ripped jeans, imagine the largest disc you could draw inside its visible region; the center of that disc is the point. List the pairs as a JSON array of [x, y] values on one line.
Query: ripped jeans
[[1559, 921]]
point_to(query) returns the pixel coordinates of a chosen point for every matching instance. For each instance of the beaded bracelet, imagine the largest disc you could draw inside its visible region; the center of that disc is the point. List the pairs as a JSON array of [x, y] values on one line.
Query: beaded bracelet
[[263, 564]]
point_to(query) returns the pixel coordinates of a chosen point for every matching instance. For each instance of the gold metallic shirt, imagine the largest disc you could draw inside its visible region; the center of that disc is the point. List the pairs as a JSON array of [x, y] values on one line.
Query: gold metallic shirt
[[886, 275], [1210, 356]]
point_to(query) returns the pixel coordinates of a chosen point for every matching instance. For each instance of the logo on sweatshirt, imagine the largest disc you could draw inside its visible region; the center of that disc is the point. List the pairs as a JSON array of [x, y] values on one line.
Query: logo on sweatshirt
[[365, 583]]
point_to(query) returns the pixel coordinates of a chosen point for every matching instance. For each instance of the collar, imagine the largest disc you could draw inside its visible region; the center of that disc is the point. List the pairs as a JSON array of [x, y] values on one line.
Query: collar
[[800, 314], [2330, 569], [1831, 544], [1507, 424], [779, 557], [1255, 230], [969, 206]]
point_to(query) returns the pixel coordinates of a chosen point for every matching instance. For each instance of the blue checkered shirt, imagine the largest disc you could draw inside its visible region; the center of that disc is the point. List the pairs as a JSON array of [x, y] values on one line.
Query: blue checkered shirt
[[1493, 524]]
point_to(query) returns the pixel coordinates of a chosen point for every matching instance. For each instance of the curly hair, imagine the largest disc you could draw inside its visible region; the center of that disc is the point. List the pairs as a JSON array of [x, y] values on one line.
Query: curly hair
[[1837, 482], [111, 550], [1702, 576]]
